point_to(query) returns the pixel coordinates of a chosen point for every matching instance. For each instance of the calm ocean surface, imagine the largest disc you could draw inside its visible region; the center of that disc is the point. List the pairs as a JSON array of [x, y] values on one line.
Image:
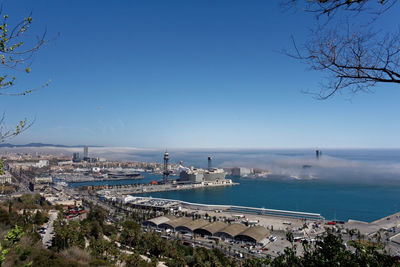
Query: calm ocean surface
[[343, 184]]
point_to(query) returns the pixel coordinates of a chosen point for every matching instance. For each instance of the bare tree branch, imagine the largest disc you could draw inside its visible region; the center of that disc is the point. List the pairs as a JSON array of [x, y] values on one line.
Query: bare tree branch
[[331, 7], [356, 60], [354, 57]]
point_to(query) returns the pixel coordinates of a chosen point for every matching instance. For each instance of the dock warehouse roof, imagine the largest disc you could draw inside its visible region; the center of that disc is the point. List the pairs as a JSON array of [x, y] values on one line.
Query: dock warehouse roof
[[172, 224], [192, 225], [155, 222], [253, 234], [231, 230], [210, 229]]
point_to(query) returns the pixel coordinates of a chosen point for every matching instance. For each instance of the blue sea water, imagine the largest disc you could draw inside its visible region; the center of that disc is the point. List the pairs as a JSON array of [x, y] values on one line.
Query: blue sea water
[[343, 184], [332, 200]]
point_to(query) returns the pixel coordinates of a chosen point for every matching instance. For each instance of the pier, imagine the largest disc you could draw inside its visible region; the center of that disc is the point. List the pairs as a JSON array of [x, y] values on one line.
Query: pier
[[151, 188], [162, 204], [92, 179], [255, 211]]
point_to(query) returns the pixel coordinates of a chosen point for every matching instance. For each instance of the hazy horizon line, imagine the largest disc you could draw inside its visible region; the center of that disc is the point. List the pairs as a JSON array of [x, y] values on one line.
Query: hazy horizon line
[[205, 148]]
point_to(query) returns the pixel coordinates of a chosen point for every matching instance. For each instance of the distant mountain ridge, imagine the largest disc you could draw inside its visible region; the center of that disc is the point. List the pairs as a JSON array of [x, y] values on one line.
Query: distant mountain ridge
[[40, 145]]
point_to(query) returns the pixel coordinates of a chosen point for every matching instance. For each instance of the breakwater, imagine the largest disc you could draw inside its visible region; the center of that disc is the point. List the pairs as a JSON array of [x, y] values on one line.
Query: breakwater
[[153, 188]]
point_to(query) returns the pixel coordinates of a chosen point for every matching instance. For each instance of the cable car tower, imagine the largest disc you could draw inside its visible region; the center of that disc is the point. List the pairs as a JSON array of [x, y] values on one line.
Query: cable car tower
[[166, 171]]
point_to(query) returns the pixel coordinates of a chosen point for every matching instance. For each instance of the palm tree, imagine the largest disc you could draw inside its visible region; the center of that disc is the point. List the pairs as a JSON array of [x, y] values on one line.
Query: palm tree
[[378, 236], [351, 233]]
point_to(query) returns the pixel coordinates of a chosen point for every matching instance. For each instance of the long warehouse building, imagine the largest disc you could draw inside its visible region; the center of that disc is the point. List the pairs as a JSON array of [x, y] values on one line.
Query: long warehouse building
[[235, 231]]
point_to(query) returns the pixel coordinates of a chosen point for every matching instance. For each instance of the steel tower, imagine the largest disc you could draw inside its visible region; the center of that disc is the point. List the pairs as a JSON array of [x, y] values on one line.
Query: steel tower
[[166, 171]]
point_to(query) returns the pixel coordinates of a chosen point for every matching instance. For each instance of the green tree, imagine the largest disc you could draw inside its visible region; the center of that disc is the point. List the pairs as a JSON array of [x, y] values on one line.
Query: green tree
[[330, 250], [12, 237], [1, 164], [4, 217], [131, 233], [98, 246], [68, 235], [39, 218]]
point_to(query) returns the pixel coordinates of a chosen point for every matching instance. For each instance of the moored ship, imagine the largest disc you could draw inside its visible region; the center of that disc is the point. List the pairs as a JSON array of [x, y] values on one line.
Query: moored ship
[[124, 175]]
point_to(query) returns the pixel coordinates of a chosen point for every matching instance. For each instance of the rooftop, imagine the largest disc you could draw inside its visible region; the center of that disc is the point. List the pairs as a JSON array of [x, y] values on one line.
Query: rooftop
[[255, 234], [212, 228], [232, 230], [159, 220], [176, 222], [192, 225]]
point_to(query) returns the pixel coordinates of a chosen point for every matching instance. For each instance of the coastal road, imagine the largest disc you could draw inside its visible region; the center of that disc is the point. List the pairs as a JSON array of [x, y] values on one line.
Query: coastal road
[[48, 236]]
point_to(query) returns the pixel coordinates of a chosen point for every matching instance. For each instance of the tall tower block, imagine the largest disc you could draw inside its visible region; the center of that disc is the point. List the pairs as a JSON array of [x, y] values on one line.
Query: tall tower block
[[85, 152], [318, 153], [166, 171]]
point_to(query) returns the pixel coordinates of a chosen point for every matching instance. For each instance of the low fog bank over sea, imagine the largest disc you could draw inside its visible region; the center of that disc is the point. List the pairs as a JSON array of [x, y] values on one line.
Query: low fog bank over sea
[[370, 166], [367, 166], [376, 166]]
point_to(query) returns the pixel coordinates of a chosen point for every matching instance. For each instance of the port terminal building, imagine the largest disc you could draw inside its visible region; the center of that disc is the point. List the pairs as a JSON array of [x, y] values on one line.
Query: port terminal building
[[240, 171], [194, 175], [197, 175]]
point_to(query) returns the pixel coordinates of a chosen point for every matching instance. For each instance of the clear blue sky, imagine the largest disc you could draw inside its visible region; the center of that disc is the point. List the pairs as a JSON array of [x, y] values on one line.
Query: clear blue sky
[[185, 73]]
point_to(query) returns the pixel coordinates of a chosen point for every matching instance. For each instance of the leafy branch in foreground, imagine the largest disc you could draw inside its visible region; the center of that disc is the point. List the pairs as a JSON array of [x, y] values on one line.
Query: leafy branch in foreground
[[12, 237], [17, 50], [6, 132]]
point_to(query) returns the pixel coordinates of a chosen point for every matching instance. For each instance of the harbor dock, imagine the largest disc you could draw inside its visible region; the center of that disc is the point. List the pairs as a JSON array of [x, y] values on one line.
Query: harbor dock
[[151, 188]]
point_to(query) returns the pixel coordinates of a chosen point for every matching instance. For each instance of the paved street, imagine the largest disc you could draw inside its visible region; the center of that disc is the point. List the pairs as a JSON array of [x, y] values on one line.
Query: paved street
[[48, 236]]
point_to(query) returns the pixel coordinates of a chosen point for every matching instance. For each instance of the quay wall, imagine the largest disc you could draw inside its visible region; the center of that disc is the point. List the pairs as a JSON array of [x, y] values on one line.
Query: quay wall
[[241, 209], [147, 188]]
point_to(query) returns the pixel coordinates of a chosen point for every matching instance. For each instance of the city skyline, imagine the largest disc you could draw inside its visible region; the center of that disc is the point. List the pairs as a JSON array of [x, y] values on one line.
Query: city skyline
[[184, 75]]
